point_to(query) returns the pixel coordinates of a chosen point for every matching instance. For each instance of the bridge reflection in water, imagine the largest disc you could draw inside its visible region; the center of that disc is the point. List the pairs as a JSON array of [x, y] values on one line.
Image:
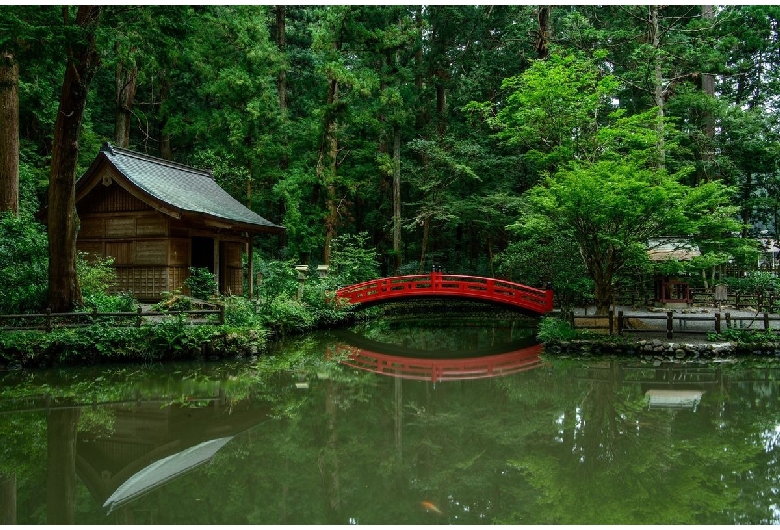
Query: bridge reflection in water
[[445, 366]]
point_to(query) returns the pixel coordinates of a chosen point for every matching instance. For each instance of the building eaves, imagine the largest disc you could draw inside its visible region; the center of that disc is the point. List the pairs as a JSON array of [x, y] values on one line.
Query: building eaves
[[183, 188]]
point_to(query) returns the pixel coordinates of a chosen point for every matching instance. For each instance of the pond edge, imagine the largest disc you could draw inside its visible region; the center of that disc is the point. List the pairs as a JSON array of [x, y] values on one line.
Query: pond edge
[[658, 350]]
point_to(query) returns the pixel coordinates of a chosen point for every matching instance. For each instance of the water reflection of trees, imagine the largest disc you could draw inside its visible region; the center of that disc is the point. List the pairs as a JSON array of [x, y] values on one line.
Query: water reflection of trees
[[567, 443], [447, 334]]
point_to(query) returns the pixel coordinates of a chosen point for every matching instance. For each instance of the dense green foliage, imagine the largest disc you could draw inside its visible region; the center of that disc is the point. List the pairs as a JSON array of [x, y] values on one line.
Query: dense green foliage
[[315, 116], [23, 264]]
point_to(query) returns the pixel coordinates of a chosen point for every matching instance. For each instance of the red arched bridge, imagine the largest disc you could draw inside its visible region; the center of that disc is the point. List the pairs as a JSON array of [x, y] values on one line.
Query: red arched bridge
[[530, 299]]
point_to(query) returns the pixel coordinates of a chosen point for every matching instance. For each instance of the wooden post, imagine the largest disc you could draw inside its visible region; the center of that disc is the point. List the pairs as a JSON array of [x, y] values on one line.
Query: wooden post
[[717, 323], [766, 321], [728, 320], [138, 319], [669, 325], [48, 319], [620, 323], [549, 296], [251, 265], [217, 271], [611, 321], [7, 498], [222, 313], [571, 319]]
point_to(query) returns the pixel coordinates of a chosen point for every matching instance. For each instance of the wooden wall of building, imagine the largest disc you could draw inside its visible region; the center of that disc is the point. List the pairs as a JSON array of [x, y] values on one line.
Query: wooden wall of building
[[233, 275], [152, 252]]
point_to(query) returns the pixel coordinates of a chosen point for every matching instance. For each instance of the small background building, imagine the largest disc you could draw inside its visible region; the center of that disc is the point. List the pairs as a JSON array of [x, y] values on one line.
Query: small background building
[[670, 290], [157, 218]]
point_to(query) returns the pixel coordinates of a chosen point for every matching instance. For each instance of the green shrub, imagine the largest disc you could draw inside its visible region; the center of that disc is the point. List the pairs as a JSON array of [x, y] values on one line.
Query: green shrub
[[96, 274], [353, 260], [24, 264], [284, 314], [320, 300], [123, 302], [201, 282], [744, 336], [554, 329], [279, 279], [753, 283], [242, 312], [282, 309], [97, 278]]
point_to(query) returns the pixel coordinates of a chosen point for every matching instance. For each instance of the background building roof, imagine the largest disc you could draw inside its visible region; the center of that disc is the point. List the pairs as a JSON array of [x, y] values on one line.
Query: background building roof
[[671, 248]]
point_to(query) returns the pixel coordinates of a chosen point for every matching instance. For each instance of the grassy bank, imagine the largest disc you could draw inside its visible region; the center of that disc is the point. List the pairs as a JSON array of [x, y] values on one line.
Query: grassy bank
[[248, 329], [164, 341], [171, 339]]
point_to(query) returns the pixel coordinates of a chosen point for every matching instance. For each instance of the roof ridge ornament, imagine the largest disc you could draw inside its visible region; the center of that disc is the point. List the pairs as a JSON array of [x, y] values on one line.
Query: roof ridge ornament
[[108, 147]]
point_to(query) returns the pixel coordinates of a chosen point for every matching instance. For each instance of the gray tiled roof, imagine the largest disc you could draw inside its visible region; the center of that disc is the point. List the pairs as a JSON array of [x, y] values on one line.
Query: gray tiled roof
[[182, 187]]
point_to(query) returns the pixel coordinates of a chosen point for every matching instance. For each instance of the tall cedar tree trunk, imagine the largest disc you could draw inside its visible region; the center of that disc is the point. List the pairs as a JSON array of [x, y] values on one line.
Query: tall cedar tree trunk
[[166, 152], [708, 87], [747, 210], [82, 61], [419, 118], [328, 157], [125, 95], [543, 33], [424, 242], [9, 133], [395, 187], [326, 167], [281, 42], [655, 40], [7, 499], [397, 196], [441, 104]]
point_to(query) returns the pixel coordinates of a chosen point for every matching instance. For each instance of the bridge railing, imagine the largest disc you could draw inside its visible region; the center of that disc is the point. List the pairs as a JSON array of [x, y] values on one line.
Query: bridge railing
[[492, 289]]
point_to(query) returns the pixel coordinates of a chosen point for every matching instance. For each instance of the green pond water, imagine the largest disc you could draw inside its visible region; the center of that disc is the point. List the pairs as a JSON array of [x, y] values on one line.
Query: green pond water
[[403, 421]]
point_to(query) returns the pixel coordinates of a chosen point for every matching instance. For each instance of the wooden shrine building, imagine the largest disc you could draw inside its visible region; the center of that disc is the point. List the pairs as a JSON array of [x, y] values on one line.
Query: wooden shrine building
[[671, 291], [157, 218]]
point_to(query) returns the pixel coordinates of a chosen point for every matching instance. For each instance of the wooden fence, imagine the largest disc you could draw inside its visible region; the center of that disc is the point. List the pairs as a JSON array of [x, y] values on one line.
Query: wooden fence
[[763, 302], [671, 323], [48, 320]]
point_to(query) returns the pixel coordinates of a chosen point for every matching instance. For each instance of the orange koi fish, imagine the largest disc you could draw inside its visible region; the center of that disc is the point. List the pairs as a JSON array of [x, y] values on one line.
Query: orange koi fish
[[429, 506]]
